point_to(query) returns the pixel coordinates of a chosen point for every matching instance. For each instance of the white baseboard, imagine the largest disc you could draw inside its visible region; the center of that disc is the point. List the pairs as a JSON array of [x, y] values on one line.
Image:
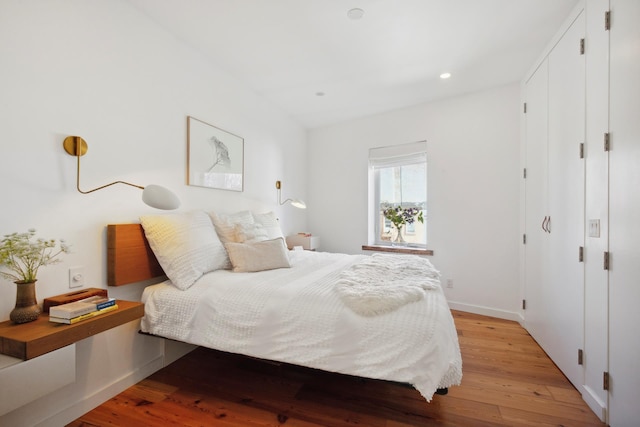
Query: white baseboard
[[486, 311], [595, 403], [73, 412]]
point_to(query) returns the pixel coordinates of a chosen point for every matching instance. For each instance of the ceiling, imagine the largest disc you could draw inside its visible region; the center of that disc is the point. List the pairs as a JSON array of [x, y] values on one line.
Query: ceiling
[[289, 51]]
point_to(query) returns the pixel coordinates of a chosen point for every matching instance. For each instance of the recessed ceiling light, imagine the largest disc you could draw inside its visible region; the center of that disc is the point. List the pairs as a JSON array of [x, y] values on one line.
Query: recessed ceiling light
[[445, 75], [355, 13]]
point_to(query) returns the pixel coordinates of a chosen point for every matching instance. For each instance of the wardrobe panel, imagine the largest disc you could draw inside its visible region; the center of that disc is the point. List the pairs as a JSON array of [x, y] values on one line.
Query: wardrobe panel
[[596, 306], [554, 202], [624, 214], [536, 247]]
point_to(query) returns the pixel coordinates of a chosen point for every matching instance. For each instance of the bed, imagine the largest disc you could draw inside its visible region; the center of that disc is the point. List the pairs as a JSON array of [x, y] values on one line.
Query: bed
[[256, 298]]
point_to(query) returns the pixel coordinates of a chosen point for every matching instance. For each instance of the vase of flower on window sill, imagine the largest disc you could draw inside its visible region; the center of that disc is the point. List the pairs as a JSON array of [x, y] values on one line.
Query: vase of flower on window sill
[[400, 216]]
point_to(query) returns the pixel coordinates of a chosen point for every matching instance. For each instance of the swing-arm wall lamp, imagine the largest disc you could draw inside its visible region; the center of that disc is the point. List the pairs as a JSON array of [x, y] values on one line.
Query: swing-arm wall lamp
[[153, 195], [294, 202]]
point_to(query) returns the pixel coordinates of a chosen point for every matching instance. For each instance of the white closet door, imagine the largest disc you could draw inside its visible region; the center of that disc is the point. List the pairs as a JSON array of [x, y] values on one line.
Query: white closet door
[[565, 298], [596, 307], [535, 249], [624, 227]]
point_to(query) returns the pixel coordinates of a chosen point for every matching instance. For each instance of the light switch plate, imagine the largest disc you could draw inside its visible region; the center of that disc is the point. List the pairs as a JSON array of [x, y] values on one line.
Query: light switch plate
[[76, 277], [594, 228]]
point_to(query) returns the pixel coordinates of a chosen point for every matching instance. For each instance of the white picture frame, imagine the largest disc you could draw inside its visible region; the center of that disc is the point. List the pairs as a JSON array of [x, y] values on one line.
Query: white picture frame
[[215, 157]]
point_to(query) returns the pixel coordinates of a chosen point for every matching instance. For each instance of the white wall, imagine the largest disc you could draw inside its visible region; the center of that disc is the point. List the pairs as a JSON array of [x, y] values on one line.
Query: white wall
[[103, 71], [473, 190]]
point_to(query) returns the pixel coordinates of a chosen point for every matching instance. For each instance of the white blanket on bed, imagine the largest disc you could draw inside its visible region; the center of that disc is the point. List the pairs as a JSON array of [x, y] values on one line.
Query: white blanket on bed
[[383, 283], [294, 315]]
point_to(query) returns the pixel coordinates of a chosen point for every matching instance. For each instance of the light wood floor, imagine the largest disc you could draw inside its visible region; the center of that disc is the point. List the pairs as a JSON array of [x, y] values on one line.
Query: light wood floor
[[507, 381]]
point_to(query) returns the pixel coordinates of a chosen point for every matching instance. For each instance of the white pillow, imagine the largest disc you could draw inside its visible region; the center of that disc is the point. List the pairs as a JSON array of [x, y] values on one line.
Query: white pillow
[[259, 256], [225, 224], [269, 222], [186, 245], [250, 233]]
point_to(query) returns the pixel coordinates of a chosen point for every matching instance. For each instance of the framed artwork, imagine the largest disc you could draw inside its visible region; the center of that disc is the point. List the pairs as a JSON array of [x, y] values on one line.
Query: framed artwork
[[215, 157]]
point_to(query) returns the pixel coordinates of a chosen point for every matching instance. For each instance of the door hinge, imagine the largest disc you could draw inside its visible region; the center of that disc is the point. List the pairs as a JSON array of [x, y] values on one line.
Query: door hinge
[[524, 304], [606, 261], [581, 254], [605, 380], [606, 141], [525, 108], [524, 173], [607, 20], [580, 356], [582, 150], [581, 46], [524, 239]]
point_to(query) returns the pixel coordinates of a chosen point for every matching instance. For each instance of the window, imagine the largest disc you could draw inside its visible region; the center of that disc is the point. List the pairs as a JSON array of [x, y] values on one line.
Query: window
[[398, 178]]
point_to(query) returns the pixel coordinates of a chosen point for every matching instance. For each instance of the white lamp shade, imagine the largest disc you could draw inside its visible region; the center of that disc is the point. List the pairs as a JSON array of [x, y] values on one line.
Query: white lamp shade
[[298, 204], [160, 198]]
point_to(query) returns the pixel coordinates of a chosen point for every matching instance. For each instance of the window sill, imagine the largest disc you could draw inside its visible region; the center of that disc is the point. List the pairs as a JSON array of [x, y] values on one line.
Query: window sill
[[398, 249]]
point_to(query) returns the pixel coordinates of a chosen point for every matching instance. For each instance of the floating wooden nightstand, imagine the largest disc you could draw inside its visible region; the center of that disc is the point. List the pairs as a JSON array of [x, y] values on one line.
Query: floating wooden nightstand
[[33, 339]]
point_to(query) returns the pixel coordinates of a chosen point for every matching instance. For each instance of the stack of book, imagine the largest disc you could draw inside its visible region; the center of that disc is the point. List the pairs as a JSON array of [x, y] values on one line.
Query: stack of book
[[78, 311]]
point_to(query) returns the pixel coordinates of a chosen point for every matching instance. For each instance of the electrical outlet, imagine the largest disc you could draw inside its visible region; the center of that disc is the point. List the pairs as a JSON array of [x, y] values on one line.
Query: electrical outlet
[[76, 277], [450, 283]]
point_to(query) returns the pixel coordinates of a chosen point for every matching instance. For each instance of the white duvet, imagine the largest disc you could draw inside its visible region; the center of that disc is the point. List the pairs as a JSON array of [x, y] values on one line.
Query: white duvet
[[295, 315]]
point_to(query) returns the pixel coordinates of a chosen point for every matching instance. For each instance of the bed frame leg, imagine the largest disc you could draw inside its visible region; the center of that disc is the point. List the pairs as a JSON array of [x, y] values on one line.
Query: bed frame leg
[[442, 391]]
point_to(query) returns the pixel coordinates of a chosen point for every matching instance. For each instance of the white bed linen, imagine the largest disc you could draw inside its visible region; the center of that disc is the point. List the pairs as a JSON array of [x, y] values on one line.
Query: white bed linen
[[295, 315]]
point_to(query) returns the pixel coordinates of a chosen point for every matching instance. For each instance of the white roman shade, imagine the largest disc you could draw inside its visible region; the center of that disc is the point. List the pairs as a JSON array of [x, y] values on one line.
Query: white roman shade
[[398, 155]]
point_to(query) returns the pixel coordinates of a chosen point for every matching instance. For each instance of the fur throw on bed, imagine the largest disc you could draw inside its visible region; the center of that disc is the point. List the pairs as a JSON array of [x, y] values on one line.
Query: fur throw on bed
[[382, 283]]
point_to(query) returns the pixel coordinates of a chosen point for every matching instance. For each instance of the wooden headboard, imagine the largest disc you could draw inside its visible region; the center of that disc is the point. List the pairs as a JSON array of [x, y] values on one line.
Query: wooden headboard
[[129, 256]]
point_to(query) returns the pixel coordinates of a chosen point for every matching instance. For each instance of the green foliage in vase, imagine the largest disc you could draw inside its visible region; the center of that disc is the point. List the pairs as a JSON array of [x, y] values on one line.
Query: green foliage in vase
[[400, 216], [22, 254]]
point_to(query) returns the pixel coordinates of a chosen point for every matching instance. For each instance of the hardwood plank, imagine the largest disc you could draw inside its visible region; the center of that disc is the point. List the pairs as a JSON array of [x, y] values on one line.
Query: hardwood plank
[[519, 417], [525, 403], [508, 381], [565, 394]]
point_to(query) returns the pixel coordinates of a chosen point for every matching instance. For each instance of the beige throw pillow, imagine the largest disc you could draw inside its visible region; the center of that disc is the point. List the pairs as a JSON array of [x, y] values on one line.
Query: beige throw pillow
[[258, 256]]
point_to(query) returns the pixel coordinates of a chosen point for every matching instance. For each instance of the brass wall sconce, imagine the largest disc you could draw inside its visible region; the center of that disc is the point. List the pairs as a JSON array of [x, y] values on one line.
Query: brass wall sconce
[[294, 202], [153, 195]]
